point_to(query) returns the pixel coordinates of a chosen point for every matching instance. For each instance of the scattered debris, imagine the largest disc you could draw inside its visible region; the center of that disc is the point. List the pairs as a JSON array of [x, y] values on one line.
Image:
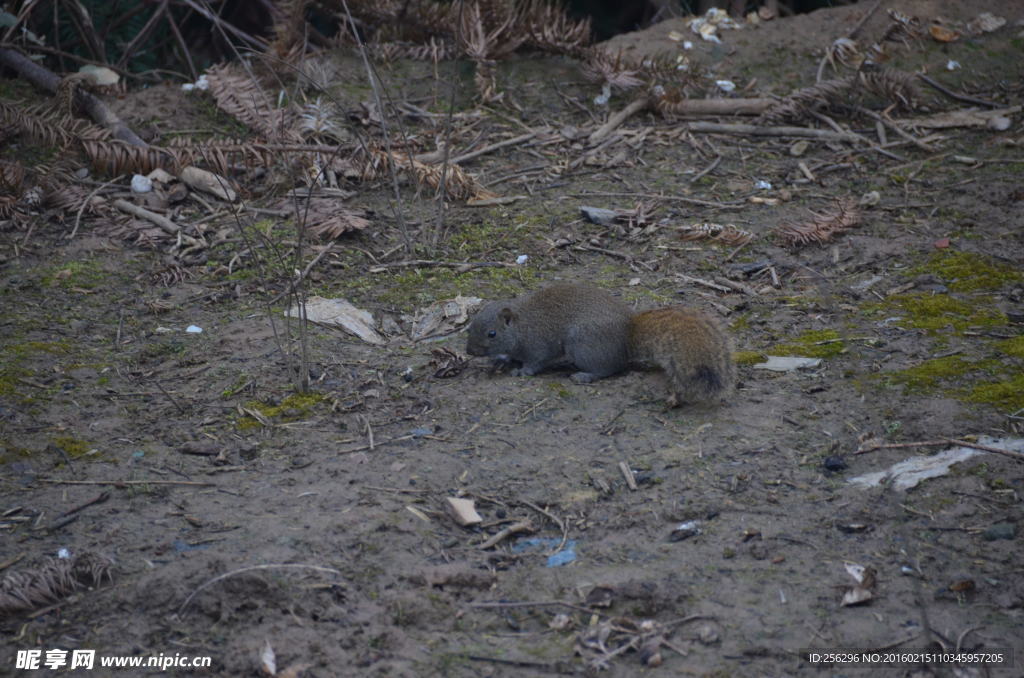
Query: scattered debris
[[463, 511], [443, 317], [691, 528], [909, 472], [863, 591], [707, 26], [777, 363], [340, 313]]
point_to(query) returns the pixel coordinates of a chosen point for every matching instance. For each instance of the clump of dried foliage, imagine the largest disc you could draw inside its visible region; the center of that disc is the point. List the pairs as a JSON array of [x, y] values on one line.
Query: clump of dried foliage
[[52, 581], [822, 227], [727, 234]]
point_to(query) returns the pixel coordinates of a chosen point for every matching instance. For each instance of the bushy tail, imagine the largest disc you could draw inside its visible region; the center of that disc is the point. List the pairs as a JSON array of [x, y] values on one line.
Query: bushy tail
[[691, 347]]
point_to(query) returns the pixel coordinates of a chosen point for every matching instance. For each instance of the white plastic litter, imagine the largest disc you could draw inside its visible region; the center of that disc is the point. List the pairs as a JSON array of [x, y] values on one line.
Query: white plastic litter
[[141, 184]]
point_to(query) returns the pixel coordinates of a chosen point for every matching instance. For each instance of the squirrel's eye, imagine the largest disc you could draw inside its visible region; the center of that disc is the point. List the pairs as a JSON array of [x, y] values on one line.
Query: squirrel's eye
[[491, 334]]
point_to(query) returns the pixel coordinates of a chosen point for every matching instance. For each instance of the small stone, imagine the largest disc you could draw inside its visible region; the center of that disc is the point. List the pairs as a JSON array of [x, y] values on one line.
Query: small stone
[[834, 463], [1000, 531], [598, 215], [799, 148]]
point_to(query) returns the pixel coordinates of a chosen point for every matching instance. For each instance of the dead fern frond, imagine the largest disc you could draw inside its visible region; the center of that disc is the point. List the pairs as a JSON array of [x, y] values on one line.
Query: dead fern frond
[[551, 29], [602, 67], [330, 218], [824, 95], [244, 99], [114, 157], [290, 18], [53, 580], [44, 125], [897, 87], [822, 227], [903, 28], [727, 234], [459, 184]]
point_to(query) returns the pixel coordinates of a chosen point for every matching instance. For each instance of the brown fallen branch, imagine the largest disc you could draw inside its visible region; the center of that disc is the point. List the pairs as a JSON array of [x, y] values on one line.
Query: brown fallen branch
[[616, 119], [869, 446], [760, 131], [116, 483], [47, 80], [751, 106], [521, 526], [163, 222]]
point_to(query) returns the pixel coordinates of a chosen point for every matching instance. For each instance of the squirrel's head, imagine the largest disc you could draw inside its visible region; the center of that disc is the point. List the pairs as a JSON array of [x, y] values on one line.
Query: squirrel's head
[[492, 331]]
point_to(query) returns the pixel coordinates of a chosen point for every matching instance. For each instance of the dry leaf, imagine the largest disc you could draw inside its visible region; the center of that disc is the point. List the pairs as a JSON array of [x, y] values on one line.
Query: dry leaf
[[943, 34], [340, 313], [268, 660]]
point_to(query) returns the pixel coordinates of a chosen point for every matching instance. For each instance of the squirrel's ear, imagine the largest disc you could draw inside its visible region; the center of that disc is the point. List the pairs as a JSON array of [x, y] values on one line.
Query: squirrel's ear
[[506, 315]]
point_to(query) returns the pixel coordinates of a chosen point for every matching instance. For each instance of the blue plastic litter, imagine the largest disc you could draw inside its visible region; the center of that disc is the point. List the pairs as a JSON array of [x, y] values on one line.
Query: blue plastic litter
[[535, 544]]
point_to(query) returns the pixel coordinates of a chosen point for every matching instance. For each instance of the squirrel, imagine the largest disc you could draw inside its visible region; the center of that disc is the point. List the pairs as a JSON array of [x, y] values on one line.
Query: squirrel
[[572, 323]]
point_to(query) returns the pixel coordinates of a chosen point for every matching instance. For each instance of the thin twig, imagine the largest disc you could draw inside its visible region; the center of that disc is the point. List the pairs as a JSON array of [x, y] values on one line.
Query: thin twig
[[195, 483], [987, 448], [232, 573], [710, 168], [956, 95], [458, 160], [85, 203]]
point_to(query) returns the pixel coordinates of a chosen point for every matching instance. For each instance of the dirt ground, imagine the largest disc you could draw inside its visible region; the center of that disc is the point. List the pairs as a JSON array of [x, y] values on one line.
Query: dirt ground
[[324, 515]]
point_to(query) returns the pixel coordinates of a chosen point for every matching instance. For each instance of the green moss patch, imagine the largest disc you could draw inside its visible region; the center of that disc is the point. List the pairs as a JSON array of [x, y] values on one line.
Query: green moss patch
[[748, 357], [934, 312], [967, 272], [812, 344], [75, 448], [929, 375], [1012, 347], [1006, 395], [293, 408]]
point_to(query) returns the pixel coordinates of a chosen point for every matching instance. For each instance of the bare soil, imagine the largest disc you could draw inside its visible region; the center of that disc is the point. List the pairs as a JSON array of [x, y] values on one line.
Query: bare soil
[[101, 383]]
